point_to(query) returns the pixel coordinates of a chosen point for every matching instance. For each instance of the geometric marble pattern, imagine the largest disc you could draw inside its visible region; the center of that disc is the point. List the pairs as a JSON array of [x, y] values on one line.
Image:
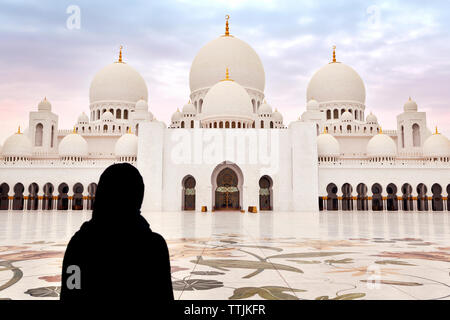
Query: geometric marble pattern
[[269, 255]]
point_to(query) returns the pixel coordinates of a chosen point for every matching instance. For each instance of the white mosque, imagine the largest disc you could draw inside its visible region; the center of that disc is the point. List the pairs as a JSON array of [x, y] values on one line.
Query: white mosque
[[228, 149]]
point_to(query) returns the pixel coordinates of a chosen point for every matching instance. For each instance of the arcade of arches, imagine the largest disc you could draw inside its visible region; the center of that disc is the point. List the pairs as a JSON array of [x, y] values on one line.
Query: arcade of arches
[[61, 197], [390, 198]]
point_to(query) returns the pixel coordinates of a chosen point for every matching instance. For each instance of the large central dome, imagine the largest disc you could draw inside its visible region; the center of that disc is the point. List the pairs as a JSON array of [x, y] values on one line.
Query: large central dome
[[227, 52], [118, 82]]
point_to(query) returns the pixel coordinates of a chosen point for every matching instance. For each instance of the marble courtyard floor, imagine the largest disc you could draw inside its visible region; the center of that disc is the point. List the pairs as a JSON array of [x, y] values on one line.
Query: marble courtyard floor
[[231, 255]]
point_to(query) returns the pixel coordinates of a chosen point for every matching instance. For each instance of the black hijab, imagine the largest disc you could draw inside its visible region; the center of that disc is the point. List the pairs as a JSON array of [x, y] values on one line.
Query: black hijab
[[119, 196]]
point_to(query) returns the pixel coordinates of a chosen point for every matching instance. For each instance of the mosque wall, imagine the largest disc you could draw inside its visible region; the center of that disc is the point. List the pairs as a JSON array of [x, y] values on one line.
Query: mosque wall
[[166, 157]]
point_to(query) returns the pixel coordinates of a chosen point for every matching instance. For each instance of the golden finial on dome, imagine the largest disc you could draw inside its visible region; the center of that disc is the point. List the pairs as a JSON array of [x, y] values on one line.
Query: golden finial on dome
[[227, 76], [18, 130], [381, 130], [334, 53], [227, 29], [436, 130], [120, 55], [74, 130]]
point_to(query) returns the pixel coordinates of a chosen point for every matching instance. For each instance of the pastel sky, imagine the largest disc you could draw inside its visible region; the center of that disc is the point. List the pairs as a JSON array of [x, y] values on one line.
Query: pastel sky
[[400, 49]]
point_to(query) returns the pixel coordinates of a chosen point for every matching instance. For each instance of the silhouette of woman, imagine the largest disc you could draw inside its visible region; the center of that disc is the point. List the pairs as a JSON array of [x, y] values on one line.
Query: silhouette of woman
[[115, 254]]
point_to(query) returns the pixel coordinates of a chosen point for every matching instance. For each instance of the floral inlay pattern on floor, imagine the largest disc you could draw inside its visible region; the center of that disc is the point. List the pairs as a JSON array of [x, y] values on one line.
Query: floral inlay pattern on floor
[[235, 266]]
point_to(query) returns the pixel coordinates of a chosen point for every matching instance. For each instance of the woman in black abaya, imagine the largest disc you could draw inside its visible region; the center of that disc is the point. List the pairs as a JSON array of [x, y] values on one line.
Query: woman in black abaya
[[115, 254]]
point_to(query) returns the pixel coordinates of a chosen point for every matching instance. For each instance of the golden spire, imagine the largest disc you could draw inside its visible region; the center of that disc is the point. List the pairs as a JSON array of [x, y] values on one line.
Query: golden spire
[[18, 130], [436, 131], [381, 130], [129, 129], [325, 130], [74, 130], [120, 55], [227, 76], [334, 53], [227, 29]]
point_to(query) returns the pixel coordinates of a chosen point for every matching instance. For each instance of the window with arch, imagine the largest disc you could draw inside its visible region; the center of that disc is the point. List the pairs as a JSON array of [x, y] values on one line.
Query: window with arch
[[118, 114], [125, 114], [328, 114], [52, 137], [38, 135], [416, 135], [403, 136]]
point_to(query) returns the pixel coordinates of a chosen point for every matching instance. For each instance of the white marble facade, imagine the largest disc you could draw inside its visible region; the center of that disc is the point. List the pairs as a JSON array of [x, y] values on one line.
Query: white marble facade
[[333, 157]]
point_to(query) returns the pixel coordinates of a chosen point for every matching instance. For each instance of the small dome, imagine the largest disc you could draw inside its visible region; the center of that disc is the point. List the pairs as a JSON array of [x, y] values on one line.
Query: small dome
[[107, 116], [83, 118], [189, 108], [17, 145], [126, 146], [176, 116], [346, 116], [44, 105], [327, 145], [277, 116], [436, 145], [410, 106], [73, 145], [227, 98], [265, 108], [372, 119], [381, 145], [141, 105], [312, 105]]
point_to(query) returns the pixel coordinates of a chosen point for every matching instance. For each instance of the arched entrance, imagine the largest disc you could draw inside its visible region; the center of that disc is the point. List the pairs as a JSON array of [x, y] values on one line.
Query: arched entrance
[[332, 199], [4, 198], [227, 180], [391, 200], [362, 202], [407, 201], [33, 200], [347, 198], [63, 198], [47, 200], [92, 189], [437, 204], [188, 193], [18, 196], [377, 199], [77, 200], [422, 199], [227, 192], [265, 194]]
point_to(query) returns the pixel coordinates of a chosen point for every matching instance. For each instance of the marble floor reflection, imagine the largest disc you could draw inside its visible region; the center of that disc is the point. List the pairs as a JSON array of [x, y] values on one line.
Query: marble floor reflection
[[269, 255]]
